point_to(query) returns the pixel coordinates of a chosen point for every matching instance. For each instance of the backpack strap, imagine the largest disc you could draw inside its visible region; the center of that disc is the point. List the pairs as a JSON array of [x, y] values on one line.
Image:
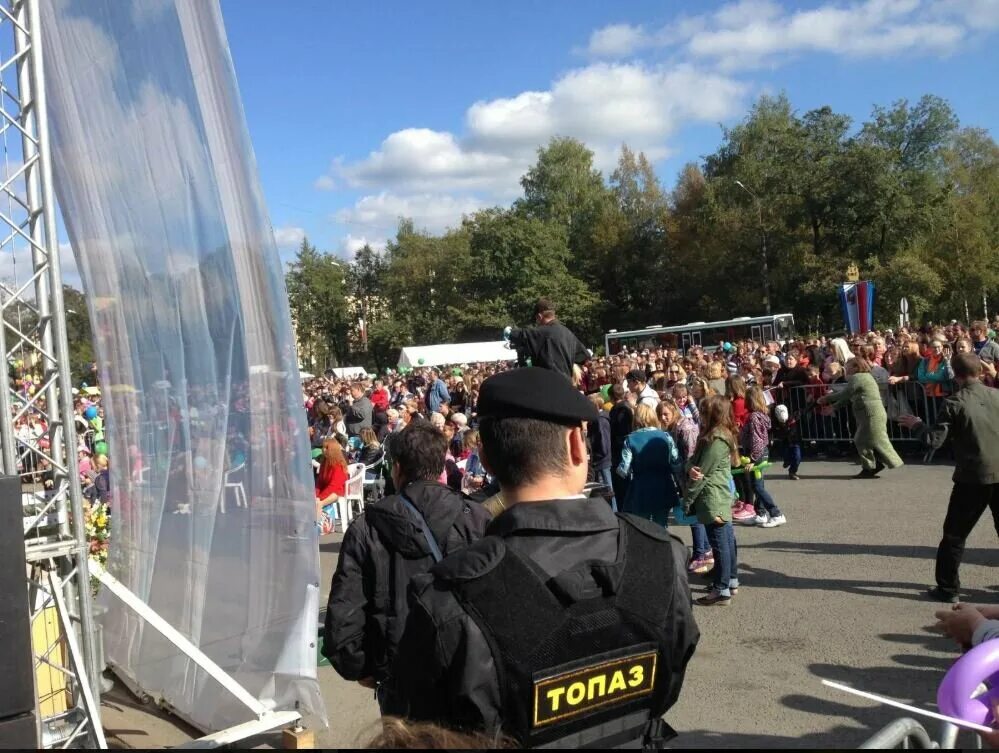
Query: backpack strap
[[421, 521]]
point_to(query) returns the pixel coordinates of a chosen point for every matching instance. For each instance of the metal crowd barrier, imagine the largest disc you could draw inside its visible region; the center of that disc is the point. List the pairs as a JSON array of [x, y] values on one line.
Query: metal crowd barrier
[[824, 424], [908, 734]]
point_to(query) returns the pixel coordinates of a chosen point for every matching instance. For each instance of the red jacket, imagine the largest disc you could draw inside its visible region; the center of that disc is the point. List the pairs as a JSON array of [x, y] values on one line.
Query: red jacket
[[331, 480], [739, 412]]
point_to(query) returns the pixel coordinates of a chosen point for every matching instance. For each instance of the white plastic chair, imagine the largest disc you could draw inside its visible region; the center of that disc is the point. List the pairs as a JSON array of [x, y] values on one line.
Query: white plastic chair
[[237, 488], [355, 489]]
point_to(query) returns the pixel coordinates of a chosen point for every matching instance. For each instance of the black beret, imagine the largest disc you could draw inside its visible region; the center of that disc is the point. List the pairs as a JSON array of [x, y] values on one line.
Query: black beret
[[637, 376], [534, 392]]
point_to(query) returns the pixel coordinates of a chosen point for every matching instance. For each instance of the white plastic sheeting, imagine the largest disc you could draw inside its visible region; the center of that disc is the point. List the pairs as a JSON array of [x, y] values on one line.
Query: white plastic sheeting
[[158, 186], [437, 355]]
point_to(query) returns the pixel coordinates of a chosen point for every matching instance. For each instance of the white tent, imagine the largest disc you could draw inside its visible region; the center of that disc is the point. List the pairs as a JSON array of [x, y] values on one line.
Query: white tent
[[350, 372], [437, 355]]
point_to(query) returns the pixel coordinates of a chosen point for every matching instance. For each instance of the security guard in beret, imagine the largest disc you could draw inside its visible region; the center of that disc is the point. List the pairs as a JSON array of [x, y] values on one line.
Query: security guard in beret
[[550, 345], [566, 625]]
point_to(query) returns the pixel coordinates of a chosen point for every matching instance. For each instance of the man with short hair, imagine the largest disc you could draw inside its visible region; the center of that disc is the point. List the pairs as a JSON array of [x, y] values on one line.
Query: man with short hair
[[437, 392], [550, 344], [970, 418], [644, 394], [986, 349], [566, 625], [390, 543], [358, 415]]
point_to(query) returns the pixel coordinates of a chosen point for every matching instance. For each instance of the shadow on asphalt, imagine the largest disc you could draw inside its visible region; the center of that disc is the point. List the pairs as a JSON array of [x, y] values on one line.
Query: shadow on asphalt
[[763, 578], [972, 556], [837, 738], [330, 547]]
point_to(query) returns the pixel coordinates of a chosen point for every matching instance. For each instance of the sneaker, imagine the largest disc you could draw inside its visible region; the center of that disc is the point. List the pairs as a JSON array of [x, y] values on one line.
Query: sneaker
[[947, 597], [747, 513], [700, 565], [739, 506], [794, 477], [779, 520], [866, 473], [762, 518], [714, 598]]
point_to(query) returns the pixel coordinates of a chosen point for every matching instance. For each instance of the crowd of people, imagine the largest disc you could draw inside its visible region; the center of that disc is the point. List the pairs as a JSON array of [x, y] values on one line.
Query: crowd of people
[[672, 438]]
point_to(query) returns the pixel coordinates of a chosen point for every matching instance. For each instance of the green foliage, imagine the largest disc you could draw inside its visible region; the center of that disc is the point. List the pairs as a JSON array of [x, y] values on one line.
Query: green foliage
[[908, 196], [316, 285]]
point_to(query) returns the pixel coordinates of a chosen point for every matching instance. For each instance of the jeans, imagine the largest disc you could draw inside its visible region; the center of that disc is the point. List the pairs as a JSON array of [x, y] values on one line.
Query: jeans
[[605, 477], [701, 544], [792, 458], [763, 497], [726, 551], [967, 503]]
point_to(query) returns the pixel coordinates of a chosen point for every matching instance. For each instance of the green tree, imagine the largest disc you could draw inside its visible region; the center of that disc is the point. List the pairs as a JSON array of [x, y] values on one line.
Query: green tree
[[316, 296], [514, 260]]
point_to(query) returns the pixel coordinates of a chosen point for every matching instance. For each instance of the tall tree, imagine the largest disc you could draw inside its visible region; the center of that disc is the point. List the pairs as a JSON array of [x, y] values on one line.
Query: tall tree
[[316, 295]]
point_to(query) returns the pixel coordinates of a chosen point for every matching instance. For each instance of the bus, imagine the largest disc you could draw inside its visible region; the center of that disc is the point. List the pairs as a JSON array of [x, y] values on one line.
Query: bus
[[779, 327]]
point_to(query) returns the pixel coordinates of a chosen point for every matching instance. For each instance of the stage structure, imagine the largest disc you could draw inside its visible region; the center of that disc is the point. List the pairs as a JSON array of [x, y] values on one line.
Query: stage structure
[[212, 586], [33, 341]]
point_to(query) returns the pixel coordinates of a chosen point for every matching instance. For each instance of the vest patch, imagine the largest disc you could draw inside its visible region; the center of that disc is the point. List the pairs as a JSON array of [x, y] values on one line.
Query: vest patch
[[583, 690]]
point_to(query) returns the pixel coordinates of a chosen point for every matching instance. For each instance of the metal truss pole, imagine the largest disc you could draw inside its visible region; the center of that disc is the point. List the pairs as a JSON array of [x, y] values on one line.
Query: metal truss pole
[[34, 333]]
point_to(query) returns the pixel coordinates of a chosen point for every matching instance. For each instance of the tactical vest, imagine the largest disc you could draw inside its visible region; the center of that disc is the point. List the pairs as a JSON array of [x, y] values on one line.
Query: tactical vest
[[593, 673]]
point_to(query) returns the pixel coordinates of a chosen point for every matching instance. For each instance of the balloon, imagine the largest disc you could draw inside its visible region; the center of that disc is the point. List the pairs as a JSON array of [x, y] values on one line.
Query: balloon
[[605, 392], [101, 448], [90, 413], [19, 363], [31, 390], [978, 666], [83, 385], [317, 453], [421, 361], [388, 370], [455, 372]]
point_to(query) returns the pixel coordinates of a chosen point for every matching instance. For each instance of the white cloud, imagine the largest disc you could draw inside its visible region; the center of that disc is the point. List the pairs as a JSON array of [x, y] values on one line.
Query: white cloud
[[602, 104], [351, 244], [617, 40], [420, 159], [287, 236], [324, 183], [749, 33], [379, 215]]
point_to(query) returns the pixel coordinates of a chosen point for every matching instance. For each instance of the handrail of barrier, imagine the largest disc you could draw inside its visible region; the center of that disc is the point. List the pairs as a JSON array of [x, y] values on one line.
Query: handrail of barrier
[[826, 424], [904, 733]]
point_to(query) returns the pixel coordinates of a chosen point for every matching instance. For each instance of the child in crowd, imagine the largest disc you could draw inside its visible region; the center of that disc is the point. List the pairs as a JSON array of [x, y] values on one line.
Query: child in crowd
[[686, 403], [788, 431], [736, 391], [709, 494], [754, 439]]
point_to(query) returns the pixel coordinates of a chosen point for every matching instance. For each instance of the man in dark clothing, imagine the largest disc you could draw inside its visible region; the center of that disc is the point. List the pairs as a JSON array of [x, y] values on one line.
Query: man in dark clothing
[[384, 548], [598, 437], [358, 415], [566, 624], [970, 417], [621, 419], [549, 345]]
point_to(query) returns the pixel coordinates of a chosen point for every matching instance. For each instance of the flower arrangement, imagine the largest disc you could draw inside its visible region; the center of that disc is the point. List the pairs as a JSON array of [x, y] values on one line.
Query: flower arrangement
[[97, 518]]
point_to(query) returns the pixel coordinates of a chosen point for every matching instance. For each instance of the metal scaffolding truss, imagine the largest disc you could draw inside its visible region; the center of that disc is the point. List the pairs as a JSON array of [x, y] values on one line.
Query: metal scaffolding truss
[[33, 338]]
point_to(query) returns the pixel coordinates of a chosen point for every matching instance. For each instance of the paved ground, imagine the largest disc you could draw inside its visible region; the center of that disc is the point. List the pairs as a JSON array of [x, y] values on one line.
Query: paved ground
[[836, 593]]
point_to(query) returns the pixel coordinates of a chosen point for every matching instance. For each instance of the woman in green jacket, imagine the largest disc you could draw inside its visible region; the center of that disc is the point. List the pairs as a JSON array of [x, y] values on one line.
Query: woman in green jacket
[[710, 494], [871, 439]]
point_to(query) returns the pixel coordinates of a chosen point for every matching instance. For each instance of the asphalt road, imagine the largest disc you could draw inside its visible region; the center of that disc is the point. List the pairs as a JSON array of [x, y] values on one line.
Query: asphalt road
[[837, 593]]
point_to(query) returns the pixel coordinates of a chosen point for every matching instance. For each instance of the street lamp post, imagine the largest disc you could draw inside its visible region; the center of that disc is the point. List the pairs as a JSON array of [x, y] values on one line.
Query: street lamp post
[[763, 245]]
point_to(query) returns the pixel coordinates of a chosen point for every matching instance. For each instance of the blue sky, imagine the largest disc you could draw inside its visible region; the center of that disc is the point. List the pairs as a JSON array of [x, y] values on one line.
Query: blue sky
[[360, 113]]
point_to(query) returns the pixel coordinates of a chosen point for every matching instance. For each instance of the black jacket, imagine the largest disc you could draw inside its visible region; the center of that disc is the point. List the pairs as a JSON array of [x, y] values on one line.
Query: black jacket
[[550, 346], [381, 551], [622, 423], [599, 434], [445, 672]]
